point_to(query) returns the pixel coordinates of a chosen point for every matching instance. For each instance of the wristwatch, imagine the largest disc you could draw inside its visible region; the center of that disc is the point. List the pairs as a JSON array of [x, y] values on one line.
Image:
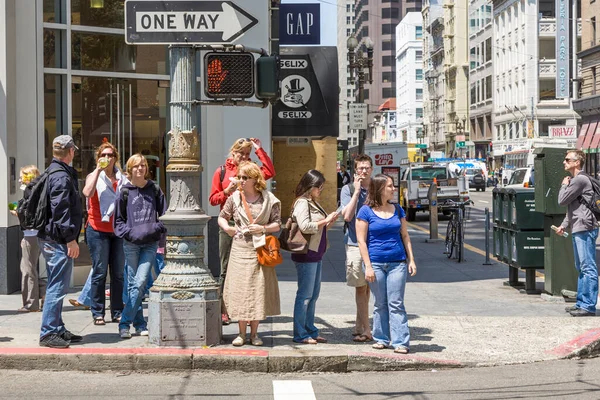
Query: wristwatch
[[264, 230]]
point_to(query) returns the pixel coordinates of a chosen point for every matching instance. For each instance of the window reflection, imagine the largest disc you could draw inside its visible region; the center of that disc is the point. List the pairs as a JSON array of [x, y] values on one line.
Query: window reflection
[[54, 55], [53, 11], [53, 112], [104, 13], [103, 52]]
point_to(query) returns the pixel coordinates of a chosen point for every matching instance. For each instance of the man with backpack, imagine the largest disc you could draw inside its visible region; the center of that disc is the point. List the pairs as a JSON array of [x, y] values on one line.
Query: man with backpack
[[352, 198], [58, 239], [577, 193]]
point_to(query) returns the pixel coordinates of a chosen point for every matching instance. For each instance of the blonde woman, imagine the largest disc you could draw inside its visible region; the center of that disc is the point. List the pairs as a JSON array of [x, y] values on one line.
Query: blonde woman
[[251, 292], [33, 288], [102, 187], [137, 209], [223, 186]]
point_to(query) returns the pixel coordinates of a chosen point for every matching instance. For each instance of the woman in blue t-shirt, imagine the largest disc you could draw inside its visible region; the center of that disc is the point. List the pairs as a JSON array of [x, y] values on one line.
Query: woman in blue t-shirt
[[313, 221], [387, 256]]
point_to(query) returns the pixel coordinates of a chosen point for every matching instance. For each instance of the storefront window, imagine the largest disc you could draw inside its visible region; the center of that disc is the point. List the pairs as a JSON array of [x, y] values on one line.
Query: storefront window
[[103, 13], [54, 11], [103, 52], [54, 121], [131, 114], [54, 54]]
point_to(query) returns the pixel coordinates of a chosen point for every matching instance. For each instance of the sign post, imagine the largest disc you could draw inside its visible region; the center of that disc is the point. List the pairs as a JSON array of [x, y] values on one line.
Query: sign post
[[358, 115]]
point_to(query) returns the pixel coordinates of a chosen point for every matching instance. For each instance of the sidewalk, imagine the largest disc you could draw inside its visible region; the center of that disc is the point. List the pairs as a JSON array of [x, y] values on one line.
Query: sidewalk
[[460, 315]]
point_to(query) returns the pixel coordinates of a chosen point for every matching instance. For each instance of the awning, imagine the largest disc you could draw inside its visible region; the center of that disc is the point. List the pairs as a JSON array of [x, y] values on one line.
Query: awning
[[389, 104], [581, 137], [595, 140], [590, 133]]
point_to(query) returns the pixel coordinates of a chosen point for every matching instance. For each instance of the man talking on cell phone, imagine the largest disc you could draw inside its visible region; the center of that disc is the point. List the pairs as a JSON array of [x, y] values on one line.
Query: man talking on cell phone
[[352, 198], [575, 193]]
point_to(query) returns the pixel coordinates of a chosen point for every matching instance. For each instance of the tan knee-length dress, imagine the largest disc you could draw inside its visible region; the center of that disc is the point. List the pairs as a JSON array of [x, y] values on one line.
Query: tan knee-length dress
[[251, 292]]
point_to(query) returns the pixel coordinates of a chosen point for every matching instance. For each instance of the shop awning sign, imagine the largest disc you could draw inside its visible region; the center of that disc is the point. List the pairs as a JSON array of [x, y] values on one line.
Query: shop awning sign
[[183, 21]]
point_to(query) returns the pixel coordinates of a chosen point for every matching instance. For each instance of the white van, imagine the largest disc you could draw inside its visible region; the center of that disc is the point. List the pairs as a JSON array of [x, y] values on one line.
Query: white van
[[522, 177]]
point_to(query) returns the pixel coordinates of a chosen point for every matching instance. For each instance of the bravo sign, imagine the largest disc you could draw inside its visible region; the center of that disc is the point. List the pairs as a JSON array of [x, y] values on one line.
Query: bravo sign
[[181, 21]]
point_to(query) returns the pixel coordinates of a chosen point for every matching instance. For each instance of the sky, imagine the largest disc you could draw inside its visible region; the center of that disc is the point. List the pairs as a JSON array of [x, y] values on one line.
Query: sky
[[328, 19]]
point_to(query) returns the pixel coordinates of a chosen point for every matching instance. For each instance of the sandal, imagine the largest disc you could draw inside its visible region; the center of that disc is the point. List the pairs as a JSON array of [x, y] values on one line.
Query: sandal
[[379, 346], [363, 339], [239, 341], [256, 341], [99, 321], [401, 350], [320, 339], [307, 341]]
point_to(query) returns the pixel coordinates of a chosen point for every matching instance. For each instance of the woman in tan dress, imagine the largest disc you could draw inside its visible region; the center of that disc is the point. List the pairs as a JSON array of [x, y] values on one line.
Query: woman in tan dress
[[251, 291]]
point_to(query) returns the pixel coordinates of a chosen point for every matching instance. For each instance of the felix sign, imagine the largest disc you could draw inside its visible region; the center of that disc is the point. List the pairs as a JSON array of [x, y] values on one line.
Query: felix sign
[[182, 21]]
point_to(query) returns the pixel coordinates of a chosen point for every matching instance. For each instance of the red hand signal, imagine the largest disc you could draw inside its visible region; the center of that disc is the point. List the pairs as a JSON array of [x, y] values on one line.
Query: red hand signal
[[216, 75]]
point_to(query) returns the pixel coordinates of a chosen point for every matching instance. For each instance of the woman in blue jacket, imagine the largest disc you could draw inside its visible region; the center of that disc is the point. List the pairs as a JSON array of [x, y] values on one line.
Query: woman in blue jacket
[[387, 255], [137, 209]]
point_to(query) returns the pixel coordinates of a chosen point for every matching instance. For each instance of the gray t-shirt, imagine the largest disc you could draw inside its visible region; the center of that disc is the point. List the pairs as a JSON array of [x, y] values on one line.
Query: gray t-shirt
[[579, 217], [345, 197]]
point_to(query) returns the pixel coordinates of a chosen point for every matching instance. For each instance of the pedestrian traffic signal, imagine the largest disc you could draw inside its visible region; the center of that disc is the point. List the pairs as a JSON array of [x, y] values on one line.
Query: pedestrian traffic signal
[[267, 78], [229, 75]]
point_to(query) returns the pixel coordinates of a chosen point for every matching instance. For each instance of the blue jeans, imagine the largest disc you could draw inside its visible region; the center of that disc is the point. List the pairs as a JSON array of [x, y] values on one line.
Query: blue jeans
[[140, 261], [309, 287], [158, 267], [59, 267], [106, 251], [390, 323], [85, 295], [584, 246]]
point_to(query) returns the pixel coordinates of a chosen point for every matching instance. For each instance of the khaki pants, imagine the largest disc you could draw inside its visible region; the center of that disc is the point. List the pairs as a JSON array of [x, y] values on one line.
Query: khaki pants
[[33, 288]]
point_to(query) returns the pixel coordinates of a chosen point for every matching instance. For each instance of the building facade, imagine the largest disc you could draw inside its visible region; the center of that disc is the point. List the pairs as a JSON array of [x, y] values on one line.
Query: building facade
[[345, 23], [526, 104], [480, 77], [409, 80]]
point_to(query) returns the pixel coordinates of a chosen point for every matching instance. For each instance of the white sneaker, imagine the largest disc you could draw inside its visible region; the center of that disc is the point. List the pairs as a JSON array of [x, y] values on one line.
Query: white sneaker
[[124, 334], [141, 332], [239, 341]]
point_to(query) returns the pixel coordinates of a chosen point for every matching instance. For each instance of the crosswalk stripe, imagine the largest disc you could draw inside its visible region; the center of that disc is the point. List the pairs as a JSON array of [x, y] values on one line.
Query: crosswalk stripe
[[293, 390]]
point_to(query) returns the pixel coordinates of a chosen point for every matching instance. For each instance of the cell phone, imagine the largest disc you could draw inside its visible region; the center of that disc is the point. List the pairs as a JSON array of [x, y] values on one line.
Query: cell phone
[[340, 209]]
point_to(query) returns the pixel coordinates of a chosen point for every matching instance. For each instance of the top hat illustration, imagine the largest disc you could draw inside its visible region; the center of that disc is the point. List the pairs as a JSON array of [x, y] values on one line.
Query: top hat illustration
[[295, 83]]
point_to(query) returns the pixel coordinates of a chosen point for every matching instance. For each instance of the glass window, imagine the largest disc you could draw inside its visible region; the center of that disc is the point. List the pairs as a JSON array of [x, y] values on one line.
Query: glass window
[[98, 52], [104, 13], [419, 94], [418, 55], [54, 49], [388, 93], [419, 74], [547, 89], [387, 61], [54, 112], [418, 32], [419, 112], [387, 29], [54, 11], [387, 76]]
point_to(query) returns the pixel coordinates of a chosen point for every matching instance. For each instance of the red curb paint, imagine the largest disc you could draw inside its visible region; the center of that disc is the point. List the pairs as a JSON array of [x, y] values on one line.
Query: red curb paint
[[408, 357], [576, 344], [230, 352], [71, 350]]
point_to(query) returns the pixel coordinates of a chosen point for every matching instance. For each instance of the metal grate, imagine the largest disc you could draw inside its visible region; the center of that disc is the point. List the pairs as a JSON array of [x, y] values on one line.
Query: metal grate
[[229, 75]]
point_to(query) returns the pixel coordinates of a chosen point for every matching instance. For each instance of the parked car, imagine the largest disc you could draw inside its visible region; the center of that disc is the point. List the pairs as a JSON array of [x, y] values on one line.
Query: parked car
[[522, 177], [478, 182], [470, 173]]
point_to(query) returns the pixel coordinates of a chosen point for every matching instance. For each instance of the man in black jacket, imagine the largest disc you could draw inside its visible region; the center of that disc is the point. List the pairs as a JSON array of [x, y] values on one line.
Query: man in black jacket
[[58, 241]]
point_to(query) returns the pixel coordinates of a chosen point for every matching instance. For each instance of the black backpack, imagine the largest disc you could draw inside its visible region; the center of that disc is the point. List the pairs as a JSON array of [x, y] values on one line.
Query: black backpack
[[32, 209], [594, 206]]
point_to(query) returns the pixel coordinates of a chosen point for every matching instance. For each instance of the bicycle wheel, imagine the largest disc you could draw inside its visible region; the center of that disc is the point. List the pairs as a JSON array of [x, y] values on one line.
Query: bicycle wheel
[[450, 238]]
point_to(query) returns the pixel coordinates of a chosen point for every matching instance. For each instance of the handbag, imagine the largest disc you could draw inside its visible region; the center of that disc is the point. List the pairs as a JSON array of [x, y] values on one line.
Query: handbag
[[268, 255], [291, 237]]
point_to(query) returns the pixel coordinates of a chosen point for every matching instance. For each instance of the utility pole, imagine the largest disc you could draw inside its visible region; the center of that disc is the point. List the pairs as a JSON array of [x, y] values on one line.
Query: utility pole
[[357, 62]]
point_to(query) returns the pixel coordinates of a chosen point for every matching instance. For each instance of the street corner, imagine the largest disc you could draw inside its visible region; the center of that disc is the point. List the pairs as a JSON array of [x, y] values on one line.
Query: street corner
[[583, 346], [228, 359], [387, 360]]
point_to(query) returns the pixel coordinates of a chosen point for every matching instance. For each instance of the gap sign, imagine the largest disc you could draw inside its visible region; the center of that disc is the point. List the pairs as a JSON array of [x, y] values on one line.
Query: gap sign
[[299, 24]]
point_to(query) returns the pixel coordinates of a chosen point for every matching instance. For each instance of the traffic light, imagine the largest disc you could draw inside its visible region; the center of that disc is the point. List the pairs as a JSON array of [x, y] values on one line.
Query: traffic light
[[267, 78], [229, 75]]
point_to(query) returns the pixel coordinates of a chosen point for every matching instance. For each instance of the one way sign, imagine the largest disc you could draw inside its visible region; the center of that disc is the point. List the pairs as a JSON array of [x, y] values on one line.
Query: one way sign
[[184, 21]]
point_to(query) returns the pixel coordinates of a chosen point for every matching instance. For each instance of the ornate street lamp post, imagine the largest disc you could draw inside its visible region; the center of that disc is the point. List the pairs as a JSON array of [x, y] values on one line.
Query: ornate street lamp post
[[358, 62]]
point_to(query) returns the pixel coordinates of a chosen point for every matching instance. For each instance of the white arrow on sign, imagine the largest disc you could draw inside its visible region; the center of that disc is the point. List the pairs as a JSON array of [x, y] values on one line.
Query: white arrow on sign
[[229, 21]]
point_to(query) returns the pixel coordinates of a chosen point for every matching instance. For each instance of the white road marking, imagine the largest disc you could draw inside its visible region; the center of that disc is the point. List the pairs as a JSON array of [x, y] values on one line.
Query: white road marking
[[483, 201], [293, 390]]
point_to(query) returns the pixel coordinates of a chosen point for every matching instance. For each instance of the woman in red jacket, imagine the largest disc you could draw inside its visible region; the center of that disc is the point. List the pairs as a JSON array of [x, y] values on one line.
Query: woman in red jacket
[[224, 183]]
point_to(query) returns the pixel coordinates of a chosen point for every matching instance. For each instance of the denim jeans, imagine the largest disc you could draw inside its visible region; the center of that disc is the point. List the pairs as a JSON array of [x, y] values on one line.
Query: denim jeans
[[140, 261], [59, 267], [390, 323], [309, 287], [106, 251], [85, 297], [584, 246], [158, 267]]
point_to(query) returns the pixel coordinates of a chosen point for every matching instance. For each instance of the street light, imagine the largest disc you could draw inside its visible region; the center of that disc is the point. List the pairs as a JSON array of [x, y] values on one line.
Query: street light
[[358, 62], [460, 129]]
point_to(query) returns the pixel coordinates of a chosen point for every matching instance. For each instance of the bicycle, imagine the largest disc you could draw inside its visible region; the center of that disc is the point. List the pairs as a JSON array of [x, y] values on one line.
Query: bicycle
[[455, 234]]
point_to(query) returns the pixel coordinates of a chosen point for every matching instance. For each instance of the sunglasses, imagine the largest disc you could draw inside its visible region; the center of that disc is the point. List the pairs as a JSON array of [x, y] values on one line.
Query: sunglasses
[[570, 159], [107, 155], [242, 140], [243, 177]]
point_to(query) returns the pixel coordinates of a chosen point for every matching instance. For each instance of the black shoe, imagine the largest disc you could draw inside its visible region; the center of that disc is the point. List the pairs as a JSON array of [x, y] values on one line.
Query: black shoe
[[71, 337], [54, 341], [570, 308], [582, 313]]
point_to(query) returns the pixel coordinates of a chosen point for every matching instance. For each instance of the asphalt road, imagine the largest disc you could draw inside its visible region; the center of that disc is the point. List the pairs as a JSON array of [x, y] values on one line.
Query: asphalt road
[[569, 379]]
